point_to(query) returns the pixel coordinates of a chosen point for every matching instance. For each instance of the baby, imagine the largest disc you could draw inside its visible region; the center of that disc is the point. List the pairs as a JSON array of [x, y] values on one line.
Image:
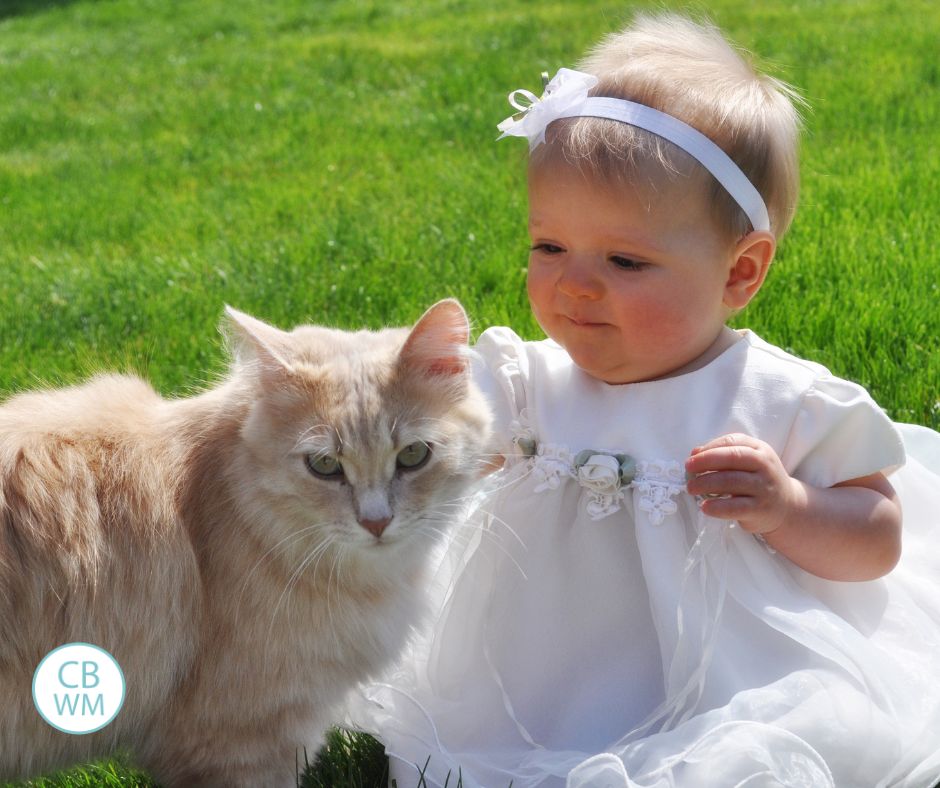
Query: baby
[[655, 595]]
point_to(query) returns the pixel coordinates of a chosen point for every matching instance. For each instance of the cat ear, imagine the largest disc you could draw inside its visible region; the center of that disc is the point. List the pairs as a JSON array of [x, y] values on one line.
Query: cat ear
[[437, 344], [255, 342]]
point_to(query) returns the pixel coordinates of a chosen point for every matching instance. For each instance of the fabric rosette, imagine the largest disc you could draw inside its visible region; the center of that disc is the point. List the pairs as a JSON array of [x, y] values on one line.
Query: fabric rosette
[[604, 476], [600, 473]]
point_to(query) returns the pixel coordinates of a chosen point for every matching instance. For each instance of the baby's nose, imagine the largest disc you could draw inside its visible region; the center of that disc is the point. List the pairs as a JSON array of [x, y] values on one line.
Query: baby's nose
[[578, 278]]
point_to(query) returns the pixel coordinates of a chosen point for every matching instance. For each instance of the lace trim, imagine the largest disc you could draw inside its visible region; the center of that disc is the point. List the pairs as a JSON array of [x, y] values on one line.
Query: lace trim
[[658, 483], [603, 476]]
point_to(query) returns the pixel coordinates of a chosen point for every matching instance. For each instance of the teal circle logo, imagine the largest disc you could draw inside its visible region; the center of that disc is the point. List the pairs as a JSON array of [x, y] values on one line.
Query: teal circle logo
[[78, 688]]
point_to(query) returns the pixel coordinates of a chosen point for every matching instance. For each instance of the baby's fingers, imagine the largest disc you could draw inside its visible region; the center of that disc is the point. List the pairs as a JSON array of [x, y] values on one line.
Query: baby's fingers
[[731, 439], [725, 458], [716, 483], [738, 507]]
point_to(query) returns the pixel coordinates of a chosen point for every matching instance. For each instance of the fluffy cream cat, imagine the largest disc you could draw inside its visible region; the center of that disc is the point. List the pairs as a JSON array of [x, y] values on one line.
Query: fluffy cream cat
[[247, 555]]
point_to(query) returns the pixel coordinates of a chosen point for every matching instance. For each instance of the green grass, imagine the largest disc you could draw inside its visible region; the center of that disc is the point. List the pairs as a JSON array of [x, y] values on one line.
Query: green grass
[[106, 774], [348, 760], [335, 162]]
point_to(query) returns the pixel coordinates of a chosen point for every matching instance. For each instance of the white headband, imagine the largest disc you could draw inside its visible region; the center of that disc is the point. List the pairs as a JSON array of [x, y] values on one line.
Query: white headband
[[566, 96]]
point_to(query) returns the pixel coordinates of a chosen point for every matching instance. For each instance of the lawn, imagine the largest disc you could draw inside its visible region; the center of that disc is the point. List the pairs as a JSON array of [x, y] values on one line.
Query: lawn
[[335, 162]]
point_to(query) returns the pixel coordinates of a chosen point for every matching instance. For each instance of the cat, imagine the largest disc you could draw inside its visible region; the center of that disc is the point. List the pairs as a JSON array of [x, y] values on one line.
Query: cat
[[247, 555]]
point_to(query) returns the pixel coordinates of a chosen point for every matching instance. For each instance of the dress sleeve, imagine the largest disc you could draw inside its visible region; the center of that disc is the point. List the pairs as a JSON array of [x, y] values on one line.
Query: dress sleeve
[[840, 433], [500, 367]]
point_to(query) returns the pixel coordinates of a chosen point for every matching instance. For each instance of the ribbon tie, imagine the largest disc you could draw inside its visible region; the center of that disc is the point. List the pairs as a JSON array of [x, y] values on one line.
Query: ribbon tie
[[563, 95]]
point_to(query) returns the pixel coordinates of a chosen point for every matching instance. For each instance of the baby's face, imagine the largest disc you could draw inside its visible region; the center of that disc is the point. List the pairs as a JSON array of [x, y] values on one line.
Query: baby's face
[[630, 282]]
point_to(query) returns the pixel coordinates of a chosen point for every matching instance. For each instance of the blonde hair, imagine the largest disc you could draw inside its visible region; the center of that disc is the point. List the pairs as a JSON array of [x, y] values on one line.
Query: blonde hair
[[690, 71]]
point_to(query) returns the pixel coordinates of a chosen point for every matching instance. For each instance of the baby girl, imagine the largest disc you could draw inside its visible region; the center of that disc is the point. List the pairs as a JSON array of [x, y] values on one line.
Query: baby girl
[[656, 592]]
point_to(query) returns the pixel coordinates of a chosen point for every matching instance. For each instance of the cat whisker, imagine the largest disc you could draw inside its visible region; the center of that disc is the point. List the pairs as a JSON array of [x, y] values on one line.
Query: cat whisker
[[490, 456], [283, 543], [342, 443], [316, 554], [432, 434], [463, 532], [504, 526], [320, 438], [462, 501], [314, 431], [319, 554], [426, 419], [329, 586], [466, 531], [498, 481]]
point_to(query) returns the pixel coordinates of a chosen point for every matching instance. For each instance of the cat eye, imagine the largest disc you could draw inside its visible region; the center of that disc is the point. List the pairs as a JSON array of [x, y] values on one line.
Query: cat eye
[[324, 465], [413, 456]]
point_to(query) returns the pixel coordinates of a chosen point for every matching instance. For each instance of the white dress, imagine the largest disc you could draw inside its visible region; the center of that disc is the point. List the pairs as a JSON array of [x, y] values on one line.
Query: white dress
[[594, 628]]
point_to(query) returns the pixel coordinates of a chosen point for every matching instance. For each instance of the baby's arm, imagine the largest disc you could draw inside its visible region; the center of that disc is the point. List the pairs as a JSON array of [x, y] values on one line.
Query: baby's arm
[[851, 531]]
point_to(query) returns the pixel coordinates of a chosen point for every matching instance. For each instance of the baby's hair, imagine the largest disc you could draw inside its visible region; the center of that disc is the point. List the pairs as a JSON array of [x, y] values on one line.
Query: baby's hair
[[690, 71]]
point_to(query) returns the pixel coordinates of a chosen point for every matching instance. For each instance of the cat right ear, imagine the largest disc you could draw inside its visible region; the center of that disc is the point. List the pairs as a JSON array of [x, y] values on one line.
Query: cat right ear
[[437, 344], [255, 343]]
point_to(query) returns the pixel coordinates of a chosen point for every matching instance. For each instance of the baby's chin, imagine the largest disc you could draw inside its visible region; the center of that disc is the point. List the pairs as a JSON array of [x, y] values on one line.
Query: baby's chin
[[621, 372], [596, 360], [611, 374]]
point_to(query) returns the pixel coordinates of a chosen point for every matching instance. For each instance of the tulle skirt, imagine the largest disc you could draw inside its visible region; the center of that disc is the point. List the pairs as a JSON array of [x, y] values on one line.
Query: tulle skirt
[[675, 659]]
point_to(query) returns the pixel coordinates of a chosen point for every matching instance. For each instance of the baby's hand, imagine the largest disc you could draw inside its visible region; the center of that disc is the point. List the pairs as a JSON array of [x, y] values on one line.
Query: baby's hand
[[743, 479]]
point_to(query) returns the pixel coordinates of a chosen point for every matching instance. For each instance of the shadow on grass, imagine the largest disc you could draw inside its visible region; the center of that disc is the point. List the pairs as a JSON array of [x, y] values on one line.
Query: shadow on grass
[[11, 8], [348, 760]]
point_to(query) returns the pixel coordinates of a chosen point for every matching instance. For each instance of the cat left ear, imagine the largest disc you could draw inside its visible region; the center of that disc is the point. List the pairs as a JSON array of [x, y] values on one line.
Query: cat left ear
[[437, 344], [254, 341]]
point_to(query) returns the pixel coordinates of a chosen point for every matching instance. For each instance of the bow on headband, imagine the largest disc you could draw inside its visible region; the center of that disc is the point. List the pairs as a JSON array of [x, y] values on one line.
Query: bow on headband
[[563, 96]]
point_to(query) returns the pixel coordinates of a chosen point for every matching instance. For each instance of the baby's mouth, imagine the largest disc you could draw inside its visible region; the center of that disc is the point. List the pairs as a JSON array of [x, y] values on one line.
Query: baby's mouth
[[582, 322]]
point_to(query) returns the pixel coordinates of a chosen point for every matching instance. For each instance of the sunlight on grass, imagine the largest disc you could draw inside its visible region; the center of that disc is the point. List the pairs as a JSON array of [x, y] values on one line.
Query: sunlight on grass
[[112, 774]]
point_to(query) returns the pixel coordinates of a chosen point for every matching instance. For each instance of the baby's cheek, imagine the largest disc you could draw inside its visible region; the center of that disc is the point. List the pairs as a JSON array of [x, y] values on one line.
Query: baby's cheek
[[539, 290], [663, 320]]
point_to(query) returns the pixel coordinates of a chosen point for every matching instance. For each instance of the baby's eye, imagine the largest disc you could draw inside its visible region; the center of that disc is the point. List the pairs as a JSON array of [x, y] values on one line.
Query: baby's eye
[[546, 248], [324, 466], [627, 263]]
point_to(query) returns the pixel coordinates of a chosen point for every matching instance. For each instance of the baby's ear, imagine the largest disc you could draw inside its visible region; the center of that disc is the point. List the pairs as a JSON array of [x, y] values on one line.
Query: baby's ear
[[437, 344], [753, 255], [255, 343]]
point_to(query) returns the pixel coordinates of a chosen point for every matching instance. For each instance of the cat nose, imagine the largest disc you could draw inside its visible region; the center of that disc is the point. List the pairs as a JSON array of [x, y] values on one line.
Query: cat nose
[[375, 527], [374, 510]]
